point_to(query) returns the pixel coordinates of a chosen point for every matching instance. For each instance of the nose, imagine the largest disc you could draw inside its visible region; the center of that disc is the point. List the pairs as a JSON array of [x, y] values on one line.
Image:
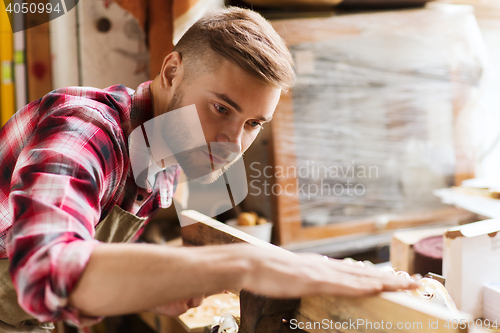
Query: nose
[[231, 138]]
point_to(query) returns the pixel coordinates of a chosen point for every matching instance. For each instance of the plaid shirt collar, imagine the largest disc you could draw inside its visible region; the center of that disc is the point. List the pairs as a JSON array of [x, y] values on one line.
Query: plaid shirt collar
[[141, 107]]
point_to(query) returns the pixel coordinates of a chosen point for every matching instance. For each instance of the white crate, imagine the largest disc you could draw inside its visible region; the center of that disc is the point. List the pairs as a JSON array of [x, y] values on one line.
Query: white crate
[[492, 301]]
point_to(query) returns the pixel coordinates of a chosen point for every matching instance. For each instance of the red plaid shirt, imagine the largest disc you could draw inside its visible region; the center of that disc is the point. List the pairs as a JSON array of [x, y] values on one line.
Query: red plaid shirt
[[65, 163]]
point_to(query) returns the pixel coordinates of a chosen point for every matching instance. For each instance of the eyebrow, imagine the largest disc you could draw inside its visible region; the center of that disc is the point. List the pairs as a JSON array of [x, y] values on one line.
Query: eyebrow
[[235, 105]]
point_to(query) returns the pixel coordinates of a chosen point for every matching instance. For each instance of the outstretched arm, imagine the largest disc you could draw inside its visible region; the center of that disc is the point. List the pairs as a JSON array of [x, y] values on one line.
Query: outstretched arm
[[127, 278]]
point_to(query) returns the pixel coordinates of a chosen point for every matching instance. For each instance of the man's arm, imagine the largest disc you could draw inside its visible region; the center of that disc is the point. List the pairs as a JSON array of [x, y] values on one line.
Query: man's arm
[[127, 278], [64, 177]]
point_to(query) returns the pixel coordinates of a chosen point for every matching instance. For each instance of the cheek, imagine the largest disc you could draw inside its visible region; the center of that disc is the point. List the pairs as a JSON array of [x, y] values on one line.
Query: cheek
[[208, 123]]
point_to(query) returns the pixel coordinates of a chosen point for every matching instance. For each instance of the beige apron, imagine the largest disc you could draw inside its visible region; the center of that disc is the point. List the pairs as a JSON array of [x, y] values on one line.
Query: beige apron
[[119, 226]]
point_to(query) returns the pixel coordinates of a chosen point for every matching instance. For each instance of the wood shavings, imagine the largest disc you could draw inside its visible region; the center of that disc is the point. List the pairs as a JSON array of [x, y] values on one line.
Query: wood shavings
[[211, 310]]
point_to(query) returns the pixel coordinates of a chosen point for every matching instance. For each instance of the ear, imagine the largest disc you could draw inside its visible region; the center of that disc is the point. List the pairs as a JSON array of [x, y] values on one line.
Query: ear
[[171, 72]]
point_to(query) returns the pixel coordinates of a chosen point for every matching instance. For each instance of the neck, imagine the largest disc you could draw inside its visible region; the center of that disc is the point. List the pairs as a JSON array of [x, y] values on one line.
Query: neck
[[159, 104], [159, 107]]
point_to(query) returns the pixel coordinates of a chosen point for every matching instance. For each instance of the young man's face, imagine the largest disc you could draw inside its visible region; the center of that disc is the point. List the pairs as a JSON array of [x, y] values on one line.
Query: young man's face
[[232, 106]]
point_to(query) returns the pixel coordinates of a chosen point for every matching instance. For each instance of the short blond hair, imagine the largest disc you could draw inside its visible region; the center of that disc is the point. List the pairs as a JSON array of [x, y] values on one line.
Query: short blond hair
[[243, 37]]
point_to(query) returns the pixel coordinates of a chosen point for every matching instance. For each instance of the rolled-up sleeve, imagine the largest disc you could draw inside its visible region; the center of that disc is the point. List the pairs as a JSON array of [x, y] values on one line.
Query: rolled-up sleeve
[[59, 184]]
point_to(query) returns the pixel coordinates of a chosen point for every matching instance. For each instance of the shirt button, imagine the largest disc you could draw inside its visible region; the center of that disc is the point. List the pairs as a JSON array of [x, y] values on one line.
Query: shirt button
[[140, 197]]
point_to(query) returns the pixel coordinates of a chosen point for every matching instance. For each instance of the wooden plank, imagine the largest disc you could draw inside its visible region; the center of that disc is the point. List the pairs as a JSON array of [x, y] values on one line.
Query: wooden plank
[[393, 222], [386, 312], [162, 324], [286, 214], [394, 307], [7, 102], [200, 230], [196, 320], [259, 314], [38, 54]]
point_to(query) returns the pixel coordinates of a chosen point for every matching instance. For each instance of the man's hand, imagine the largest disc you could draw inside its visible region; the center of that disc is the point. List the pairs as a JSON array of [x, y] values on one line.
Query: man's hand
[[175, 309], [162, 275], [284, 276]]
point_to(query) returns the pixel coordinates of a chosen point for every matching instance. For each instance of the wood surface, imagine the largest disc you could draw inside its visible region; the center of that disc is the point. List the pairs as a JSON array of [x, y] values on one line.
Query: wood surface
[[393, 308], [261, 314], [199, 230], [393, 222], [162, 324], [286, 212], [7, 100], [196, 319], [258, 314], [38, 60]]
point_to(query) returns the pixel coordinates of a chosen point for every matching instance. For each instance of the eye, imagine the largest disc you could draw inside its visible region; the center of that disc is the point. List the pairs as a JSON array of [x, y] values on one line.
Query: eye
[[220, 109], [255, 124]]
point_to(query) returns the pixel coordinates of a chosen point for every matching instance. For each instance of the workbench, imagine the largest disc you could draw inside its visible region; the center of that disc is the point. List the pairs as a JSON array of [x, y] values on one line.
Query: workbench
[[322, 313]]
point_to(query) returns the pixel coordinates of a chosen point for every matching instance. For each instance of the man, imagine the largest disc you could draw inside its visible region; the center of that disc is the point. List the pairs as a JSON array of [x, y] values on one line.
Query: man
[[67, 179]]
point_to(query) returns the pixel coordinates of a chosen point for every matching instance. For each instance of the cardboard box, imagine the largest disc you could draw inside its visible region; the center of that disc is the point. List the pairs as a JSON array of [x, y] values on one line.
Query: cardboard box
[[492, 302], [471, 256]]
